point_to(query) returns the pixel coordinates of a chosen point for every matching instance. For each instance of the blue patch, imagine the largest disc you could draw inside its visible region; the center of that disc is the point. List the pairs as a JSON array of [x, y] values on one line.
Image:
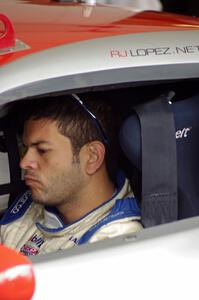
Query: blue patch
[[17, 209], [31, 247], [123, 208]]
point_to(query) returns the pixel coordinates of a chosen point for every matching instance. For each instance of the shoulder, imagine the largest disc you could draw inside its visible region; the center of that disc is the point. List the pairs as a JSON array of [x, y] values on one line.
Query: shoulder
[[116, 228], [18, 208], [124, 217], [126, 207]]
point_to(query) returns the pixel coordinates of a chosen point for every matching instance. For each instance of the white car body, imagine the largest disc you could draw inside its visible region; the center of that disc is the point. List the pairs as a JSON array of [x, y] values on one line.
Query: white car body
[[159, 262]]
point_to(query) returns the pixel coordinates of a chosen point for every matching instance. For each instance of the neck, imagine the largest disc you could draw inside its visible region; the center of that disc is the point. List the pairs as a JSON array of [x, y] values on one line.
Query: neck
[[95, 193]]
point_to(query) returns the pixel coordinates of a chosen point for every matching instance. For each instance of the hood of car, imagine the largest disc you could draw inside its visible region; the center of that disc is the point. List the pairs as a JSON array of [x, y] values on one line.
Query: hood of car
[[44, 24]]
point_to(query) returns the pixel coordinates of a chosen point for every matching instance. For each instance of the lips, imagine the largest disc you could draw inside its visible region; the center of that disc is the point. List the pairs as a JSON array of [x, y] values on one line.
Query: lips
[[28, 177], [30, 180]]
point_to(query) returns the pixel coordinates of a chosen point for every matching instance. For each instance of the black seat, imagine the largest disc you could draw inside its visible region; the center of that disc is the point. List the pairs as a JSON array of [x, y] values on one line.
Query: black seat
[[186, 121]]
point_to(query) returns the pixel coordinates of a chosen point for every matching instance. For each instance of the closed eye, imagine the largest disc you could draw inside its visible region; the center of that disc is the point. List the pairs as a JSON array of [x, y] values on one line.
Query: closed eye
[[42, 151]]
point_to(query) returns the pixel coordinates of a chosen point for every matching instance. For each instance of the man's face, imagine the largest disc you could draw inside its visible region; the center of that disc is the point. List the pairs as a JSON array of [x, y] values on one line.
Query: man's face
[[51, 171]]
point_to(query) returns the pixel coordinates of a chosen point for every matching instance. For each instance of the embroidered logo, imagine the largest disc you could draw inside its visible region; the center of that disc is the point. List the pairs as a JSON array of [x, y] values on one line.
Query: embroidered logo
[[73, 239], [31, 247], [20, 202]]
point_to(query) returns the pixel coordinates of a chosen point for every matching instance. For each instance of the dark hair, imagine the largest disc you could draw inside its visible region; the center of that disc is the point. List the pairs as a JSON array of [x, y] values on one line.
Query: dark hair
[[75, 123]]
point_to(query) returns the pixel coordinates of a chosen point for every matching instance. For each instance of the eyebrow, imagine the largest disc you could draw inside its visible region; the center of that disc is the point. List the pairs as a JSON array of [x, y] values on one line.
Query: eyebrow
[[38, 143]]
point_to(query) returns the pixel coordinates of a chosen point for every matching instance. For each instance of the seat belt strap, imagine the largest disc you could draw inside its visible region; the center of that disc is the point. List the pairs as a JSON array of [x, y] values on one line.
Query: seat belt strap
[[159, 162]]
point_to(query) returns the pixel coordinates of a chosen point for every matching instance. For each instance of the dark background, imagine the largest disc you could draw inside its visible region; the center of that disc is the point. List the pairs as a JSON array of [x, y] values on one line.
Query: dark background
[[186, 7]]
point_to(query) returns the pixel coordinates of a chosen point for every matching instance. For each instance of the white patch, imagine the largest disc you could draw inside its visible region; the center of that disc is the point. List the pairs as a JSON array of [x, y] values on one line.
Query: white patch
[[15, 272]]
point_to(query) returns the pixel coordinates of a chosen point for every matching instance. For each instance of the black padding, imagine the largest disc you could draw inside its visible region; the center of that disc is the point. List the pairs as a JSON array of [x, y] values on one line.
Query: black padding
[[130, 140], [13, 152], [12, 188], [9, 145]]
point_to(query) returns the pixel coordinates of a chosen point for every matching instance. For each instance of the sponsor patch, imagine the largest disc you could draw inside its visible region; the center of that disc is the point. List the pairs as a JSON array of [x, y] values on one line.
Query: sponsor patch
[[32, 246]]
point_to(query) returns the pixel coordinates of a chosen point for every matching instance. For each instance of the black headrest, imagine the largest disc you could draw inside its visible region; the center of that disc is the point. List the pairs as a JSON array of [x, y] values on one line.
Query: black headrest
[[130, 139], [186, 116]]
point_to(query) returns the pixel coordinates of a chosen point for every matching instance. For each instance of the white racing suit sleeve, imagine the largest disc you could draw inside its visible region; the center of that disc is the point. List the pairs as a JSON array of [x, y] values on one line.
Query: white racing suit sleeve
[[116, 228]]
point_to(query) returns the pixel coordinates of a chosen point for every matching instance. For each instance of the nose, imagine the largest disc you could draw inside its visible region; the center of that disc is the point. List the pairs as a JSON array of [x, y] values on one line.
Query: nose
[[28, 161]]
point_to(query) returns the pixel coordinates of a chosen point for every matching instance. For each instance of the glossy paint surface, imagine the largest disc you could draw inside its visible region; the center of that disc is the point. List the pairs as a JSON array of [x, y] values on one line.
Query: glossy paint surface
[[156, 263], [46, 24], [17, 279]]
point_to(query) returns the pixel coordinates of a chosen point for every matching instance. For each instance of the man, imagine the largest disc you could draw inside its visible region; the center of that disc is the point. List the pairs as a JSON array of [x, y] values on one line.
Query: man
[[75, 194]]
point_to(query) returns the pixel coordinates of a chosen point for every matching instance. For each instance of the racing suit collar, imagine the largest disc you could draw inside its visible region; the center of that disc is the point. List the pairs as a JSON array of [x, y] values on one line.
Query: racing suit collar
[[53, 222]]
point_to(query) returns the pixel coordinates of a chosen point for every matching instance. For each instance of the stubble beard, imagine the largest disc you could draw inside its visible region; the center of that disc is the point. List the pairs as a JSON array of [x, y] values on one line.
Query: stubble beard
[[60, 188]]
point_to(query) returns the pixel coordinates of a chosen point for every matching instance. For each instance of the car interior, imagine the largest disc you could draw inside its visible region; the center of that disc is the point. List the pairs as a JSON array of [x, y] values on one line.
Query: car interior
[[158, 137]]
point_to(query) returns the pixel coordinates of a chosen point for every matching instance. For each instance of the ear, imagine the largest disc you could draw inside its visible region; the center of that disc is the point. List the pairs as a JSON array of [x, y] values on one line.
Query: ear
[[95, 157]]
